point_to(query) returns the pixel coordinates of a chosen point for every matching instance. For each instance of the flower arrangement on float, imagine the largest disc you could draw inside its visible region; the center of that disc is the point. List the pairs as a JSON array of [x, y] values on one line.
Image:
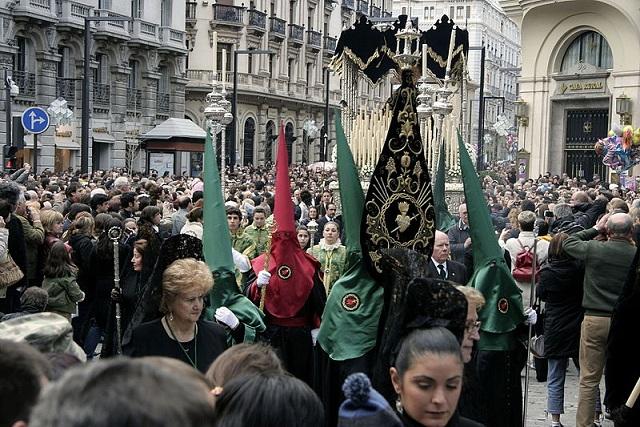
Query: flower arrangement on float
[[621, 148]]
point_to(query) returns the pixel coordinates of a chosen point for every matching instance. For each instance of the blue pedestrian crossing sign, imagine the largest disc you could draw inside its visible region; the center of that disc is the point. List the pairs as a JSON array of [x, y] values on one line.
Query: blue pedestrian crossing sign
[[35, 120]]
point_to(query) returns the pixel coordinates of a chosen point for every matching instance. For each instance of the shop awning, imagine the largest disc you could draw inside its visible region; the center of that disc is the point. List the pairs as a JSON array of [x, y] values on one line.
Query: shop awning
[[66, 144], [175, 129], [104, 138]]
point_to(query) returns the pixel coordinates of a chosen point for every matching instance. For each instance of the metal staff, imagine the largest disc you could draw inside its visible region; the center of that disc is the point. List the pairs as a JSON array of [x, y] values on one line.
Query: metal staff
[[267, 258], [531, 301], [115, 233]]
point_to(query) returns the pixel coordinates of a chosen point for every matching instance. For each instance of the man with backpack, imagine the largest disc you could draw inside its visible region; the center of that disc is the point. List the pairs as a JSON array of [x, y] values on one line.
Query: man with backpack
[[521, 249]]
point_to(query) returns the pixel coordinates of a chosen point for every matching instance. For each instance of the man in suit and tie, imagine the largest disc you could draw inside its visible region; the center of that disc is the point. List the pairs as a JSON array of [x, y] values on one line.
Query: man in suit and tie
[[441, 266]]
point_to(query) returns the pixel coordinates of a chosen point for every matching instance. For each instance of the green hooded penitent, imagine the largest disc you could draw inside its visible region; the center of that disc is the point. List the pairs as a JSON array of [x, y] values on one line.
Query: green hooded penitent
[[444, 219], [216, 245], [350, 321], [503, 310]]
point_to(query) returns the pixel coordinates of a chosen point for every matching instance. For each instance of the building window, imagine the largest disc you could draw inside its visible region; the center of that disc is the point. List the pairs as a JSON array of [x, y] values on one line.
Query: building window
[[452, 10], [460, 12], [292, 9], [136, 8], [250, 64], [249, 136], [589, 47], [165, 13], [468, 12], [104, 4], [404, 11]]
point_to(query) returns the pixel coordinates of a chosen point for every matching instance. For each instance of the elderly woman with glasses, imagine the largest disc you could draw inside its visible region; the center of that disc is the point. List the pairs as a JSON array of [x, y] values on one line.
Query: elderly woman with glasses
[[180, 334]]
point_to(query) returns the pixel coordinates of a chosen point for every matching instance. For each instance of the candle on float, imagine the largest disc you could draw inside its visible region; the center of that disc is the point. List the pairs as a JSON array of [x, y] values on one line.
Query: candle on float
[[452, 43], [215, 55], [224, 65], [424, 60]]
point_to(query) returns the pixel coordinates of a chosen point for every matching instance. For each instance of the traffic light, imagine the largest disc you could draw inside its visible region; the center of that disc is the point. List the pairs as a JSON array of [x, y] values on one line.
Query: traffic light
[[9, 153]]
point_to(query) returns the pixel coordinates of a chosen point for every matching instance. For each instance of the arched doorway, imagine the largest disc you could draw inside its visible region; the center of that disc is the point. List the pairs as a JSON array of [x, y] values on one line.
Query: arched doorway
[[270, 136], [289, 138], [249, 136]]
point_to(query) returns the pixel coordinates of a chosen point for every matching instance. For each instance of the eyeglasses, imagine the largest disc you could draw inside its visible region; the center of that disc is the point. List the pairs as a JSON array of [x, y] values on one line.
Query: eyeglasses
[[472, 326]]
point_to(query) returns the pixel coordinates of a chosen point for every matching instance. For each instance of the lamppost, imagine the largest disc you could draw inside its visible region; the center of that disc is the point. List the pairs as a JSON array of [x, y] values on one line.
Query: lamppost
[[623, 109], [217, 112], [84, 147], [11, 90], [234, 99], [312, 132]]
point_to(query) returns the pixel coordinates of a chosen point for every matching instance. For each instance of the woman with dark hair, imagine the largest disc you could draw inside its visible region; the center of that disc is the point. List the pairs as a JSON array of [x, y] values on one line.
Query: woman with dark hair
[[81, 240], [148, 229], [560, 287], [304, 237], [193, 225], [313, 216], [268, 400], [427, 377], [331, 254]]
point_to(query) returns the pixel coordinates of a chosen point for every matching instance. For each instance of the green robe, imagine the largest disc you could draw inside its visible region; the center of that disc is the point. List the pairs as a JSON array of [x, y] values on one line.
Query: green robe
[[332, 262], [244, 244], [260, 237]]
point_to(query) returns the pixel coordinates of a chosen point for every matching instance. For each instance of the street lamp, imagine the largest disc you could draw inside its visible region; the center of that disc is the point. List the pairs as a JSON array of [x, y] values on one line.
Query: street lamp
[[60, 115], [11, 90], [217, 112], [623, 109], [312, 132], [84, 148], [234, 104]]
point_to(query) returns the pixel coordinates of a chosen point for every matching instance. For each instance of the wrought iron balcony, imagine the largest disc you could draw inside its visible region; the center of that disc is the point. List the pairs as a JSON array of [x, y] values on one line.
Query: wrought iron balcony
[[277, 28], [66, 88], [257, 22], [72, 13], [348, 5], [190, 12], [296, 34], [330, 45], [375, 11], [228, 15], [314, 40], [363, 7], [134, 99], [163, 103], [26, 82], [101, 95]]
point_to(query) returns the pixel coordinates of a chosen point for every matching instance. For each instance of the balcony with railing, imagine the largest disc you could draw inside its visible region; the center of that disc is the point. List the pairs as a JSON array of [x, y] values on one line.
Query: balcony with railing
[[26, 82], [277, 29], [117, 29], [314, 40], [66, 88], [363, 7], [134, 100], [163, 103], [257, 22], [386, 14], [101, 95], [190, 12], [296, 35], [228, 15], [143, 32], [72, 13], [330, 45], [375, 11], [172, 39], [348, 5], [36, 9]]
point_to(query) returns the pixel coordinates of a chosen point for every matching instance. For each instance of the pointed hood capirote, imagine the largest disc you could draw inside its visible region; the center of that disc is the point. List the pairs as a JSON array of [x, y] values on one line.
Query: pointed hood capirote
[[216, 245], [356, 300], [292, 270], [503, 310]]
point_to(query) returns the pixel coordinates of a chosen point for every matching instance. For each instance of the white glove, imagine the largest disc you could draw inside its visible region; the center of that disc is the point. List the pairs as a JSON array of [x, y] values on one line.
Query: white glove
[[241, 261], [263, 278], [532, 316], [314, 335], [226, 317]]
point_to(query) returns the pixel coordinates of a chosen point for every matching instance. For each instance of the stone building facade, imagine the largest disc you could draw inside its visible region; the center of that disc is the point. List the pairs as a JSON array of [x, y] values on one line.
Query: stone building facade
[[578, 57], [137, 70], [287, 86]]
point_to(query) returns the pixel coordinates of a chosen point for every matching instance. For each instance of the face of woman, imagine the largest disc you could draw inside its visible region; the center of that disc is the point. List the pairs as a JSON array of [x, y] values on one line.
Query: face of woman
[[57, 228], [471, 332], [157, 218], [136, 260], [330, 233], [313, 213], [187, 307], [429, 390], [303, 238]]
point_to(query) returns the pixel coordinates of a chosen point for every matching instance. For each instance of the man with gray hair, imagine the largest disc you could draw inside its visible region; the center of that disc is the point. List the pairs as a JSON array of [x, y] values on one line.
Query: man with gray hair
[[525, 241], [606, 266], [564, 221]]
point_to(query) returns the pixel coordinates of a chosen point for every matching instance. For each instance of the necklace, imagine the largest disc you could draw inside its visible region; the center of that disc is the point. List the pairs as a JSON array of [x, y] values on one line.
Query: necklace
[[194, 361]]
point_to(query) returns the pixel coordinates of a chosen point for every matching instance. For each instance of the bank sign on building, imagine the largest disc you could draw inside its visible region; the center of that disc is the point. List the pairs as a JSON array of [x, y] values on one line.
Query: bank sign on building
[[578, 58]]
